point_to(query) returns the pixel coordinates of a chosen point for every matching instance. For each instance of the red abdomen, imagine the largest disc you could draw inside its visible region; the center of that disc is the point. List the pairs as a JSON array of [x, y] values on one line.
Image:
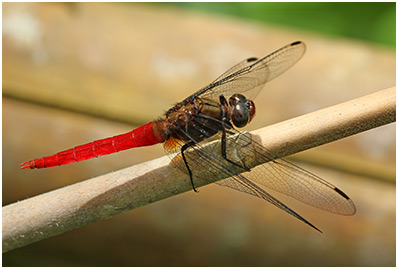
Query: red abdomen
[[146, 135]]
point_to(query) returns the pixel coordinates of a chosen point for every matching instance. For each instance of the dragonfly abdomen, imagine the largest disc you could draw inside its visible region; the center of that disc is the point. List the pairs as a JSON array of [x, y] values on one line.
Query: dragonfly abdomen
[[145, 135]]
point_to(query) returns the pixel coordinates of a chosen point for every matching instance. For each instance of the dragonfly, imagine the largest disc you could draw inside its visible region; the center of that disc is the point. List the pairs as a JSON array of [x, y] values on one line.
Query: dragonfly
[[206, 116]]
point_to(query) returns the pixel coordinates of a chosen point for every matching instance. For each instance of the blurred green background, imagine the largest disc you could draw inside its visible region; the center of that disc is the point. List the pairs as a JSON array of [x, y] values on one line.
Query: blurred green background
[[374, 22]]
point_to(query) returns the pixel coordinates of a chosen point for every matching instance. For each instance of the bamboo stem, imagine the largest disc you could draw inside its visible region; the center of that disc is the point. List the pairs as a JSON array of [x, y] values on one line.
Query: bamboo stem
[[99, 198]]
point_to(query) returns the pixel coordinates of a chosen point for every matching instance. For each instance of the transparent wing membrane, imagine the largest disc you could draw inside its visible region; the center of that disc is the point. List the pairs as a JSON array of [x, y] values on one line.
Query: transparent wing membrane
[[199, 157], [248, 166], [283, 176], [252, 74]]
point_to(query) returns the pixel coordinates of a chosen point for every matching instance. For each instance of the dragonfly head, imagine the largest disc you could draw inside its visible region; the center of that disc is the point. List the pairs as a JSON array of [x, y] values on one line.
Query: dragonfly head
[[242, 110]]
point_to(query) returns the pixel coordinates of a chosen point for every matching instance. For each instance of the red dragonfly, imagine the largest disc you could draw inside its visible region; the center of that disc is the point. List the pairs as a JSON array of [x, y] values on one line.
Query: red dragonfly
[[207, 115]]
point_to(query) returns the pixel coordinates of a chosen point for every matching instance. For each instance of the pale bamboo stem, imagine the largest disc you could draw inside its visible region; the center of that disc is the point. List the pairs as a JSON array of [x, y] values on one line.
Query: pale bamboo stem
[[99, 198]]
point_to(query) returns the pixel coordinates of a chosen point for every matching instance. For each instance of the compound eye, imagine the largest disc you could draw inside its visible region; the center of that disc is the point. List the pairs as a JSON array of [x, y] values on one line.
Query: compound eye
[[252, 109], [240, 113]]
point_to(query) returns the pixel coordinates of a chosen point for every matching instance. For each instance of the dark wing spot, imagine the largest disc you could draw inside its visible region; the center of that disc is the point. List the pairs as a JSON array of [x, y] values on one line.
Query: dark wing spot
[[295, 43], [342, 193], [252, 59]]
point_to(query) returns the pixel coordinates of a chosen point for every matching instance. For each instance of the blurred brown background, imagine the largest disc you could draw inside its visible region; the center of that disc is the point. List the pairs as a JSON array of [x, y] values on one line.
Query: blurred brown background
[[76, 72]]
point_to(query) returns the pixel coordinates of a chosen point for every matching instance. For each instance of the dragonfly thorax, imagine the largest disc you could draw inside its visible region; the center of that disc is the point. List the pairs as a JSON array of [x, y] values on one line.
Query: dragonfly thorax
[[241, 110], [199, 118]]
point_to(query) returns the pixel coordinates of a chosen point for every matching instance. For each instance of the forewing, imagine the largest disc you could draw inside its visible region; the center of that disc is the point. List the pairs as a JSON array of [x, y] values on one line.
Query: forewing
[[245, 63], [252, 74]]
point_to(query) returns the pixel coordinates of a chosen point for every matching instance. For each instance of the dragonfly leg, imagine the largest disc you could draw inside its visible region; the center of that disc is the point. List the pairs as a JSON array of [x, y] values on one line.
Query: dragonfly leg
[[183, 148], [226, 125], [224, 151]]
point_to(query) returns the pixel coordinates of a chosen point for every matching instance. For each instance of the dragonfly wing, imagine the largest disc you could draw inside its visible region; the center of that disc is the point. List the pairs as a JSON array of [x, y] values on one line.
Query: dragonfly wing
[[245, 63], [285, 177], [206, 163], [273, 172], [242, 184], [252, 74]]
